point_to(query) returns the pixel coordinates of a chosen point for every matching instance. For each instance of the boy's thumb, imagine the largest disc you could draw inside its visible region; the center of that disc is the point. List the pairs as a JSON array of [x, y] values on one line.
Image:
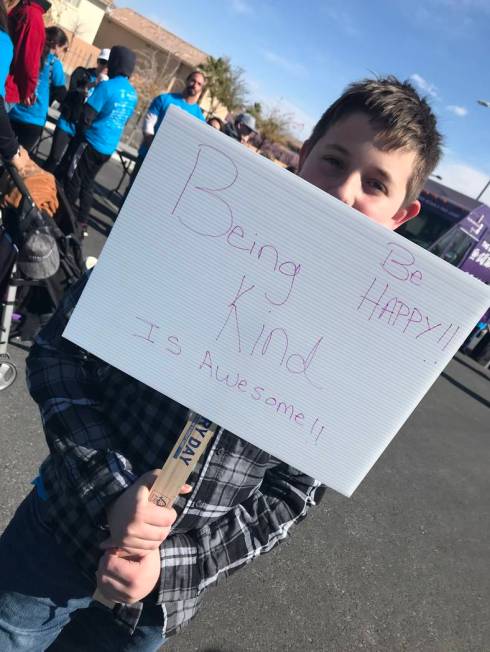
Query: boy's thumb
[[147, 479]]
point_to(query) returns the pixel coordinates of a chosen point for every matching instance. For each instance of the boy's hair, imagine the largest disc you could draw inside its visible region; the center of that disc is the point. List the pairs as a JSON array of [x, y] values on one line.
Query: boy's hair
[[404, 120]]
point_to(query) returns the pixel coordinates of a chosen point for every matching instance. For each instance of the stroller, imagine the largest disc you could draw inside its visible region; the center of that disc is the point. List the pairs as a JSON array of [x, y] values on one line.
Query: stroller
[[28, 299]]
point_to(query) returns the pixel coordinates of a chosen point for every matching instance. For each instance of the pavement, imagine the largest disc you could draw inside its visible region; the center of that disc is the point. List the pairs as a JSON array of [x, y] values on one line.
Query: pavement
[[400, 566]]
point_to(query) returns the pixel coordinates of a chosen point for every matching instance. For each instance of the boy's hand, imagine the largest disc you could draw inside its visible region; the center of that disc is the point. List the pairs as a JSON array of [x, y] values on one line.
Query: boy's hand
[[127, 581], [138, 526]]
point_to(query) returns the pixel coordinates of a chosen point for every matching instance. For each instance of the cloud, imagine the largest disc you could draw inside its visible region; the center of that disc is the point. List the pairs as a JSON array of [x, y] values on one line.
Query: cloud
[[465, 178], [241, 7], [343, 19], [460, 111], [424, 85], [292, 67]]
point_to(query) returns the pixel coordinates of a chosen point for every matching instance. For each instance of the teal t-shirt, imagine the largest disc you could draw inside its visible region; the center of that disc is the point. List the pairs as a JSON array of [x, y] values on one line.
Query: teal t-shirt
[[51, 75], [6, 54], [114, 100], [159, 108]]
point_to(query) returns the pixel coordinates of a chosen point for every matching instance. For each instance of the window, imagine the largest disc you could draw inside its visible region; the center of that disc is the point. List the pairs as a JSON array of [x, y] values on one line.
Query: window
[[453, 246], [426, 228]]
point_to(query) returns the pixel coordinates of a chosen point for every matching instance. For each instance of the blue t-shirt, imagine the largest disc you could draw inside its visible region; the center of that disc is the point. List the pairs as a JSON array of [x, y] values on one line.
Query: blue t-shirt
[[69, 127], [51, 75], [159, 108], [114, 100], [6, 54]]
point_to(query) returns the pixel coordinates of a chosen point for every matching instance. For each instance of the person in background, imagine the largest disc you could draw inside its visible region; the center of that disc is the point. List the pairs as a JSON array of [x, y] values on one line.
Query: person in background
[[99, 130], [28, 121], [9, 146], [215, 122], [241, 128], [95, 75], [26, 27], [187, 101], [82, 84]]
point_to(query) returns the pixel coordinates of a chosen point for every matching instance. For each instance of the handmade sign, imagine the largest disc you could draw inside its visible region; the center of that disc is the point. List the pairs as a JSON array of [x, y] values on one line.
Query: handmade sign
[[270, 308]]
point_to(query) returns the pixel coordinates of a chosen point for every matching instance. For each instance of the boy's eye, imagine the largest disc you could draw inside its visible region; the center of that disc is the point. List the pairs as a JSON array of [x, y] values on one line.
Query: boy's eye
[[333, 161], [377, 186]]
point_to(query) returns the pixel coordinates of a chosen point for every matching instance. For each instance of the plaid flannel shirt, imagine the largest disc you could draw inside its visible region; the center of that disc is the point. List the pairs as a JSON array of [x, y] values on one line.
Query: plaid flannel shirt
[[104, 429]]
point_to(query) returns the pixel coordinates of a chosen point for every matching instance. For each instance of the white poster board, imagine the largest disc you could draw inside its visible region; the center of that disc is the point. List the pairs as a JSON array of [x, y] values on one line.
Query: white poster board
[[260, 302]]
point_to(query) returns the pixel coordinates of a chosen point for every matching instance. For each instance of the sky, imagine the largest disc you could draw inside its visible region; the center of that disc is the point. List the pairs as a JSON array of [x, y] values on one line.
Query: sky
[[298, 56]]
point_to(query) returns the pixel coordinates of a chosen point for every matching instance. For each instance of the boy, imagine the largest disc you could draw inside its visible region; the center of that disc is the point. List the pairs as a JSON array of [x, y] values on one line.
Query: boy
[[372, 149]]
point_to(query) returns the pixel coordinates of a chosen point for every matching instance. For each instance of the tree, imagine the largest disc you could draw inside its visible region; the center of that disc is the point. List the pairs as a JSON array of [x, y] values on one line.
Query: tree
[[154, 71], [225, 83], [274, 127]]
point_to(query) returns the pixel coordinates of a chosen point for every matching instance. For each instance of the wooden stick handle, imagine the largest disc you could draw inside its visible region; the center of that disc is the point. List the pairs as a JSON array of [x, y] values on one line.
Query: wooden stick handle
[[185, 454]]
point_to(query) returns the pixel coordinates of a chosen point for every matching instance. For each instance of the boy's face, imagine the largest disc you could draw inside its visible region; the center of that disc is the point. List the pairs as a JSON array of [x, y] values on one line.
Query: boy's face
[[347, 164]]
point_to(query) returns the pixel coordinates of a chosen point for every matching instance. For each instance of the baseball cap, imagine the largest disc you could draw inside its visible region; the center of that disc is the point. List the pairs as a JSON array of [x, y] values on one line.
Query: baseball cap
[[39, 256], [247, 119], [104, 54]]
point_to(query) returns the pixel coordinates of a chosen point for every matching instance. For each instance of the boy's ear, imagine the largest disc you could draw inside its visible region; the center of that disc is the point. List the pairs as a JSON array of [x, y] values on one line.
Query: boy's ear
[[303, 153], [406, 213]]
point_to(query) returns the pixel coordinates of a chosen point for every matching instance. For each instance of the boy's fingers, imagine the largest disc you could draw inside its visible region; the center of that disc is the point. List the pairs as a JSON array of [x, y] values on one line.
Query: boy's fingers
[[149, 478], [185, 489], [146, 482], [144, 542], [159, 516], [110, 568], [113, 584]]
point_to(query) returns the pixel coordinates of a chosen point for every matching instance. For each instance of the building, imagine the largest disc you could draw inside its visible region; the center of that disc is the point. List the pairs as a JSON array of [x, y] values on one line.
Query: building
[[82, 18], [164, 59]]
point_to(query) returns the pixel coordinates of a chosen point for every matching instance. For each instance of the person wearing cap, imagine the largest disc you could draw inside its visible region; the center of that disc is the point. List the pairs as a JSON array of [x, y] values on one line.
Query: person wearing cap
[[242, 127], [99, 129], [82, 84]]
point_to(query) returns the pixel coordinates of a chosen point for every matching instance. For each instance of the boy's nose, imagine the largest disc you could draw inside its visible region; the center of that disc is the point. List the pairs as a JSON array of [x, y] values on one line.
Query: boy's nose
[[346, 190]]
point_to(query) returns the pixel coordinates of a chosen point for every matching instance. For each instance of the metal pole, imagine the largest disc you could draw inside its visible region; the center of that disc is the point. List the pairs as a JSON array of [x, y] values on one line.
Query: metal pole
[[486, 186]]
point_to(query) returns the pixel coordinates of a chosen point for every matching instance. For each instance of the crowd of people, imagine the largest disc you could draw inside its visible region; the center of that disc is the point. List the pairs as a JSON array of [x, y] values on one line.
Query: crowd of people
[[372, 149], [94, 109]]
